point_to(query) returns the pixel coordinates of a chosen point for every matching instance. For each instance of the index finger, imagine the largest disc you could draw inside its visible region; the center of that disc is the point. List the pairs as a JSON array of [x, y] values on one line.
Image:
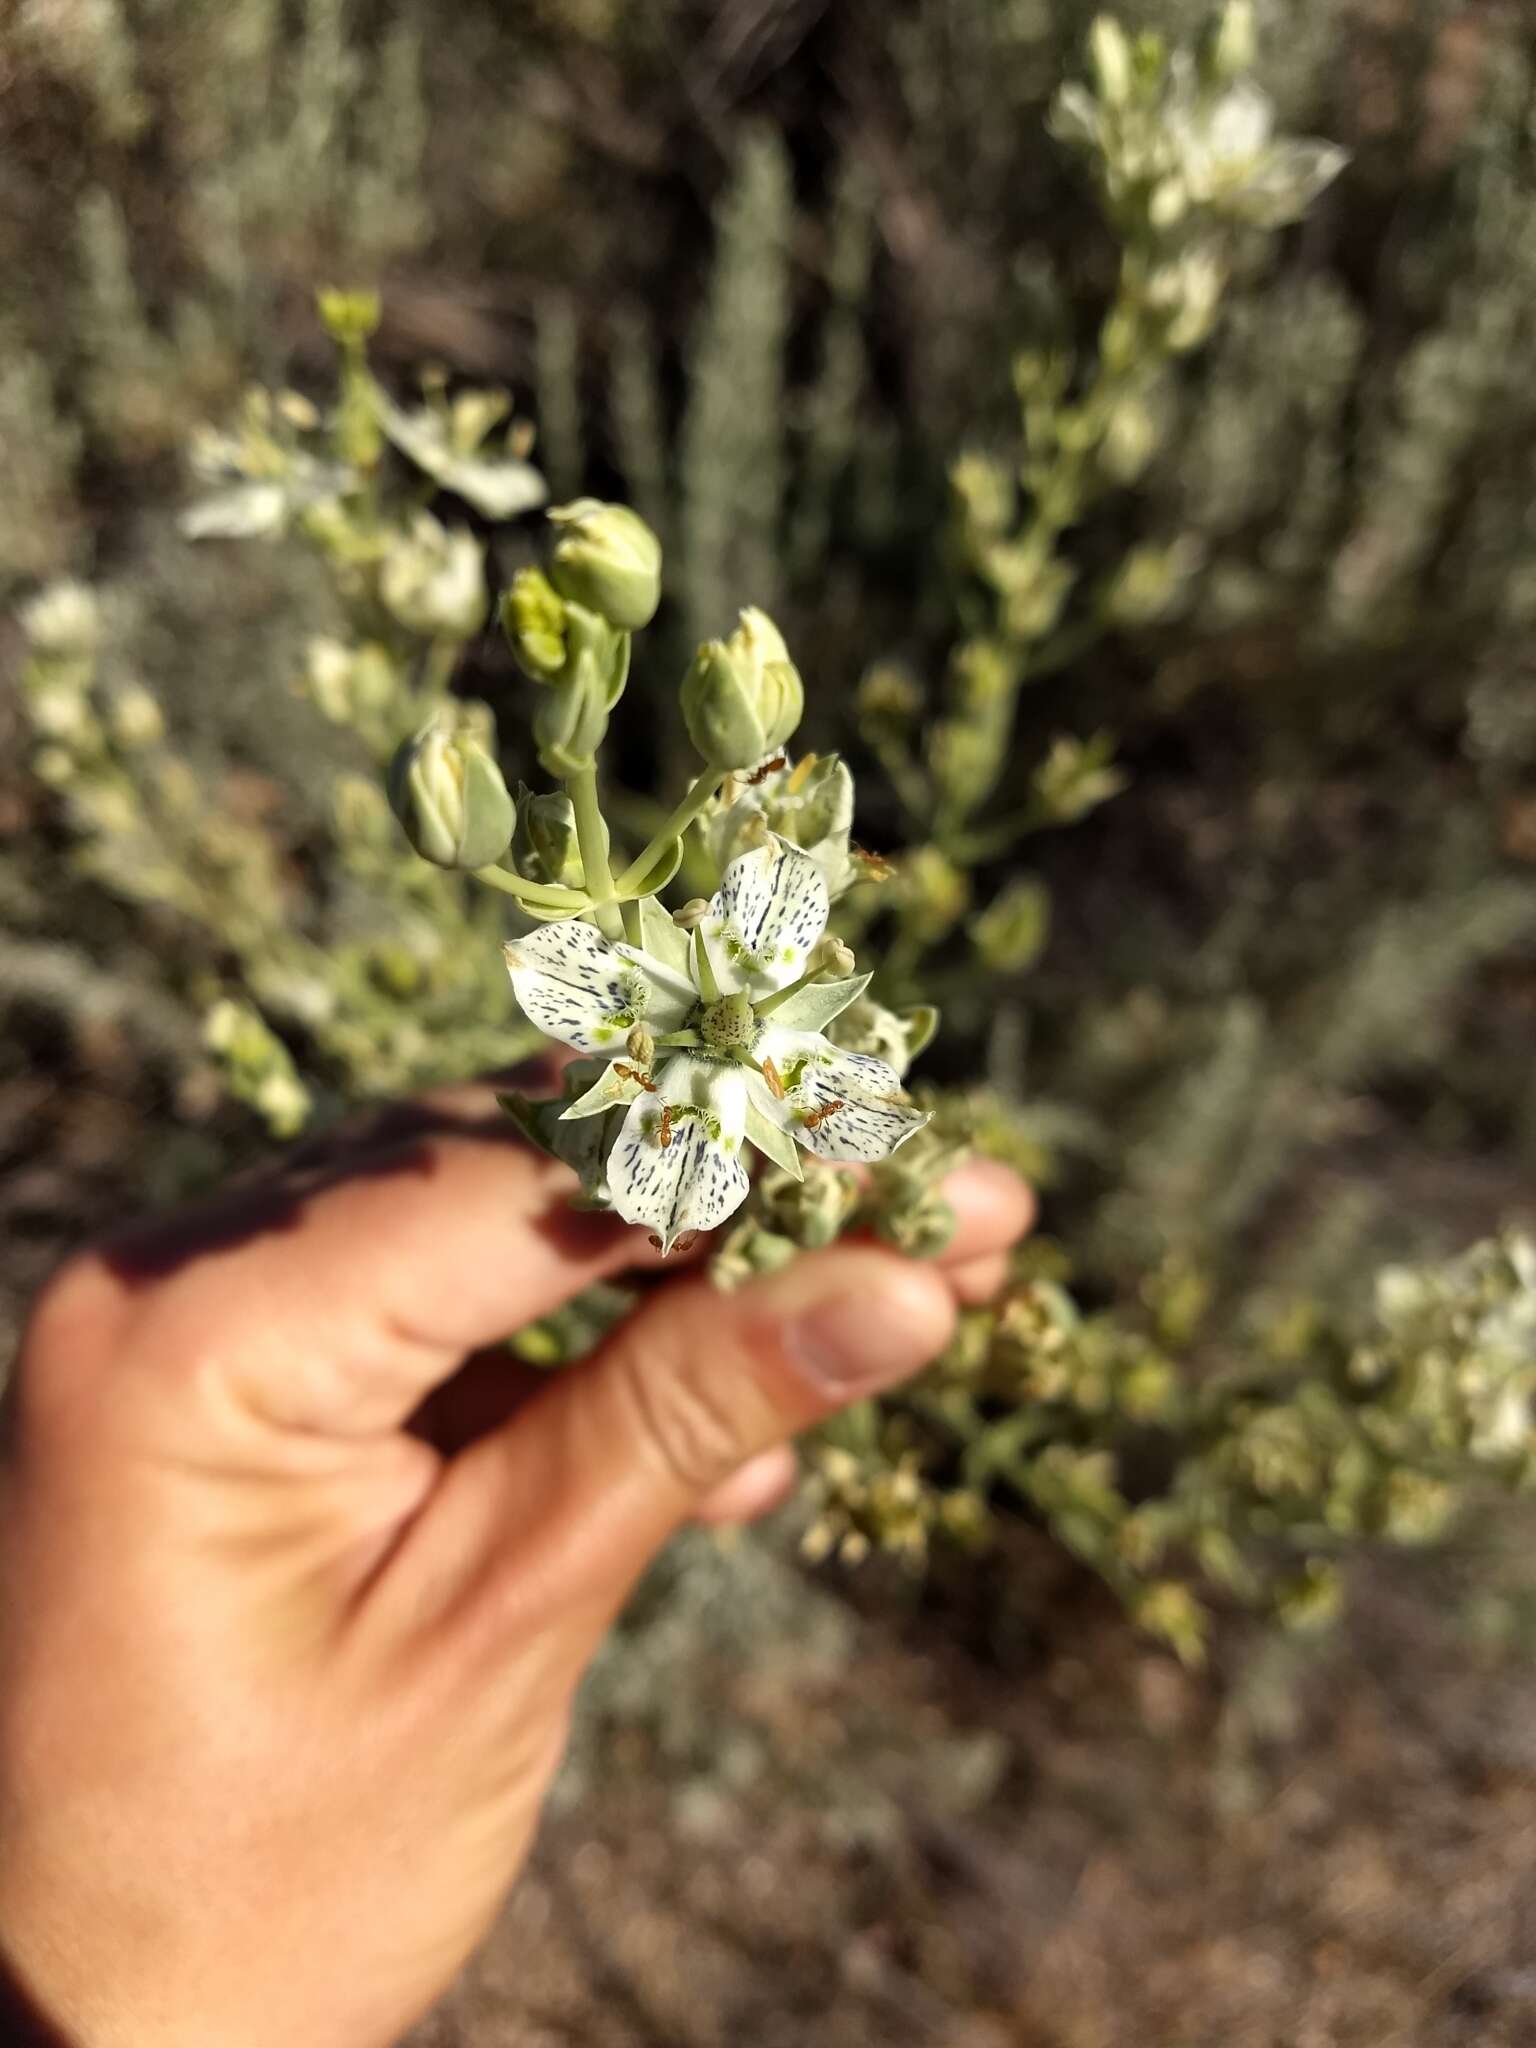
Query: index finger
[[333, 1298]]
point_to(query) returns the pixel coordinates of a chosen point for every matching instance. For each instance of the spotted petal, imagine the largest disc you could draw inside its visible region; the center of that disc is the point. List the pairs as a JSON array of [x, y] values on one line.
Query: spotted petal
[[840, 1105], [676, 1165], [578, 988], [771, 909]]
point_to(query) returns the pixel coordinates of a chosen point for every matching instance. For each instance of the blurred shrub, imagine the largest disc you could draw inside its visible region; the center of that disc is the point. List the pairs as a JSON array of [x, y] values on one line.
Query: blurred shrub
[[1056, 498]]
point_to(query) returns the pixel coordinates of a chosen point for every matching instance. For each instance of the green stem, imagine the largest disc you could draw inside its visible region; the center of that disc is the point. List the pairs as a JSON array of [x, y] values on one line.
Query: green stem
[[442, 658], [582, 790], [542, 895], [682, 817]]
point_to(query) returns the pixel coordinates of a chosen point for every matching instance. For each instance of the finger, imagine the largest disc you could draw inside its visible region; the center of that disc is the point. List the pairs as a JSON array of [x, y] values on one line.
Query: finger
[[339, 1301], [756, 1488], [993, 1209], [978, 1281], [552, 1518]]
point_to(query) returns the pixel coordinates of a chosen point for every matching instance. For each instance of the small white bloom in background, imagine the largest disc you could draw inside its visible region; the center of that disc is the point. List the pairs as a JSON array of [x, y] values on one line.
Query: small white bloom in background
[[257, 485], [63, 618], [445, 445], [433, 580], [750, 1062]]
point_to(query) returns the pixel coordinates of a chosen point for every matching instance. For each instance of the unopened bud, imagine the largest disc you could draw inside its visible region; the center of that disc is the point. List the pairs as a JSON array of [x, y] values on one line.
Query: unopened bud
[[1011, 932], [812, 1212], [448, 793], [1110, 55], [545, 847], [570, 718], [533, 619], [1234, 47], [609, 560], [743, 696], [348, 317], [136, 718]]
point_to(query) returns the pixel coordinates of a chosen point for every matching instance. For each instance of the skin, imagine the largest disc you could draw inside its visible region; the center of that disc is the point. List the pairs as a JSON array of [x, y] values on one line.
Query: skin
[[296, 1585]]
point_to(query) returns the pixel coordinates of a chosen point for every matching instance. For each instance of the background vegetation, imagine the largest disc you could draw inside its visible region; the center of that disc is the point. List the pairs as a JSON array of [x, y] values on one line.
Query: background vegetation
[[1262, 1020]]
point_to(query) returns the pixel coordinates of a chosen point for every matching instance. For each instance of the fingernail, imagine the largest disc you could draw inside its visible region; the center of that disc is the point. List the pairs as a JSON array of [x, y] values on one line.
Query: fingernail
[[858, 1339]]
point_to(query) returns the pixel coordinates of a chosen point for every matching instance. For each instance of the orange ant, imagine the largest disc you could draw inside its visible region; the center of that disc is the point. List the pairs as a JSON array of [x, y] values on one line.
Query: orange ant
[[666, 1127], [875, 865], [768, 768], [818, 1117], [634, 1074]]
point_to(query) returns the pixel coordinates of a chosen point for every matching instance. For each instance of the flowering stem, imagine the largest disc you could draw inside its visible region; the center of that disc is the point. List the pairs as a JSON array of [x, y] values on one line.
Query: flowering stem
[[442, 658], [582, 788], [541, 895], [682, 817]]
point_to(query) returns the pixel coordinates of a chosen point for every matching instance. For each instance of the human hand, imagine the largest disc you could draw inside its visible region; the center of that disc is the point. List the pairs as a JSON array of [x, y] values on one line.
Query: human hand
[[293, 1601]]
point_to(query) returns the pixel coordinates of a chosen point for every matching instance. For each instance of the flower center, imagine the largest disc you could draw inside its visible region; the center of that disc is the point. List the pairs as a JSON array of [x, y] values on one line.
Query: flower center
[[728, 1024]]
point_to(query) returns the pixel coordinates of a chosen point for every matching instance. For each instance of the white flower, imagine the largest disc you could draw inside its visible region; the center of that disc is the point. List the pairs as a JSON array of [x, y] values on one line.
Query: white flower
[[442, 443], [433, 579], [739, 1053], [809, 802], [259, 485]]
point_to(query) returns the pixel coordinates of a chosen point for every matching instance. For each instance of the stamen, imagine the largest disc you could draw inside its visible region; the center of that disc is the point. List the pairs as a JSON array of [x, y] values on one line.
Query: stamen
[[770, 1074], [802, 773]]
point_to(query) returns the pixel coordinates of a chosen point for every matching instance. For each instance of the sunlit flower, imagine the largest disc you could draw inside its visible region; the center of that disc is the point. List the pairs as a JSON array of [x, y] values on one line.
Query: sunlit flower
[[714, 1041], [445, 444], [809, 802]]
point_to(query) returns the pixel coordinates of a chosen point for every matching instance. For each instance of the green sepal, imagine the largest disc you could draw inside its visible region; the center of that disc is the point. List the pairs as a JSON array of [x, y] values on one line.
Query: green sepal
[[661, 938], [816, 1005], [660, 872], [772, 1142], [921, 1024]]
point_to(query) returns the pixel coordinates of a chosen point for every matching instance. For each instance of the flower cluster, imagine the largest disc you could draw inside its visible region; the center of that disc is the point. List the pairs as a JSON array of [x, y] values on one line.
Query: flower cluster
[[705, 1030]]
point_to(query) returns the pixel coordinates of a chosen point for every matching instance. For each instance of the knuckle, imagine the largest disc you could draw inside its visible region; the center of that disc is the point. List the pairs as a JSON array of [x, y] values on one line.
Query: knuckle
[[77, 1317], [683, 1413], [81, 1299]]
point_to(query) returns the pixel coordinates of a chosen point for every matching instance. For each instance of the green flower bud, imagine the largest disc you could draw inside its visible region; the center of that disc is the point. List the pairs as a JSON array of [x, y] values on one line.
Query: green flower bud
[[136, 718], [570, 719], [609, 560], [743, 697], [544, 847], [1233, 49], [1110, 55], [812, 1212], [985, 496], [348, 317], [533, 618], [448, 793], [1011, 932]]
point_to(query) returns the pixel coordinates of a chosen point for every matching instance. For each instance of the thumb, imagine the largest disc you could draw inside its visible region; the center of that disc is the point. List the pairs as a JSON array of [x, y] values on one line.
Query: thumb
[[585, 1484]]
